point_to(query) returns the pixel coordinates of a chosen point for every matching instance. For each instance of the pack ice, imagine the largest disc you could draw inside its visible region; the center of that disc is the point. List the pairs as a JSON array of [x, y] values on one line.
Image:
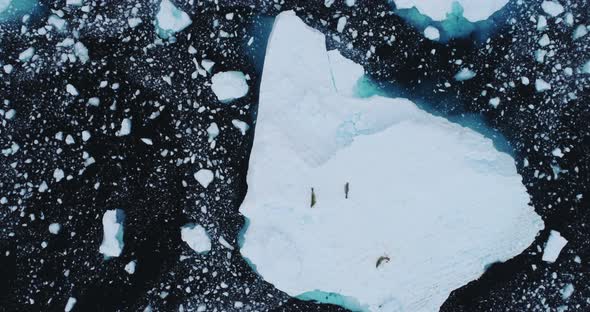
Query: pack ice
[[371, 199]]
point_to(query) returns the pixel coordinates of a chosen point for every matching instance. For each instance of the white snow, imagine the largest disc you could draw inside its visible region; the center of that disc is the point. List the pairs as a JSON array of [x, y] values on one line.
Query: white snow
[[542, 85], [70, 304], [229, 85], [473, 10], [432, 33], [434, 197], [345, 73], [195, 237], [112, 242], [552, 8], [553, 247], [125, 127], [204, 177], [170, 19]]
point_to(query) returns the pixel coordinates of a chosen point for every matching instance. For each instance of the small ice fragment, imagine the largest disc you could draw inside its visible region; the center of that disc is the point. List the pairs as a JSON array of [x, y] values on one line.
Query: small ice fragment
[[130, 267], [552, 8], [125, 127], [85, 135], [8, 68], [495, 102], [26, 54], [542, 85], [207, 65], [229, 85], [74, 2], [112, 243], [70, 304], [580, 32], [553, 247], [10, 114], [54, 228], [81, 52], [350, 2], [557, 152], [170, 19], [465, 74], [212, 131], [341, 24], [586, 68], [204, 177], [544, 41], [43, 187], [134, 21], [72, 90], [196, 237], [58, 174], [567, 291], [242, 126], [224, 243], [147, 141], [432, 33], [94, 101], [57, 22]]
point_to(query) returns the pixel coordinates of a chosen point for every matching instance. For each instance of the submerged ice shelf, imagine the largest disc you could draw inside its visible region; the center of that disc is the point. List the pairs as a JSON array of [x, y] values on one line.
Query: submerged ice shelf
[[370, 203]]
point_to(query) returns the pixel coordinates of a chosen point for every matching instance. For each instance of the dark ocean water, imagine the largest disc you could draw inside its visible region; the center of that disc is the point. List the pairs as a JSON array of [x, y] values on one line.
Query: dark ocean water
[[154, 184]]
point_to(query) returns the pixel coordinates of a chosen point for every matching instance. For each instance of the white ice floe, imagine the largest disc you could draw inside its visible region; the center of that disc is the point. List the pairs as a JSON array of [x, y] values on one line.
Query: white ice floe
[[586, 68], [195, 237], [553, 247], [112, 242], [204, 177], [465, 74], [432, 33], [542, 85], [240, 125], [26, 55], [473, 10], [370, 198], [54, 228], [4, 4], [552, 8], [229, 85], [130, 267], [345, 73], [125, 128], [70, 304], [170, 19]]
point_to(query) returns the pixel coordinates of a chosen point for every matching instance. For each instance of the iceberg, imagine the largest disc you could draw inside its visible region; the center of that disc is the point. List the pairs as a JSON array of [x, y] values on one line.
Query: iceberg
[[370, 203], [170, 19]]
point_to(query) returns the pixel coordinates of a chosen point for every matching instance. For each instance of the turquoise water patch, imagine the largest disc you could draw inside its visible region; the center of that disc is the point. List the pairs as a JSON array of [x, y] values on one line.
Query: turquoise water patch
[[455, 25], [334, 298], [366, 88], [11, 10]]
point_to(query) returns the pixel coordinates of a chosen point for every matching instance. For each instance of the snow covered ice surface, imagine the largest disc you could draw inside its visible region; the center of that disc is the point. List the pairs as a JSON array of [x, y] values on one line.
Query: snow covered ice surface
[[372, 199], [112, 243]]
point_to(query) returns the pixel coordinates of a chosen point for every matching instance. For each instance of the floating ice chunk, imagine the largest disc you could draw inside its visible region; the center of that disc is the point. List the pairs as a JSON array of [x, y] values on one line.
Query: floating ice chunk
[[10, 114], [26, 55], [86, 135], [58, 174], [567, 291], [385, 154], [125, 127], [57, 22], [195, 237], [350, 2], [553, 247], [75, 2], [72, 90], [70, 304], [130, 267], [341, 24], [170, 19], [134, 21], [552, 8], [81, 52], [544, 41], [8, 68], [112, 242], [345, 73], [229, 85], [240, 125], [432, 33], [207, 65], [54, 228], [473, 10], [212, 131], [204, 177], [541, 23], [147, 141], [494, 102], [586, 68], [542, 85], [224, 243], [465, 74], [580, 32], [557, 152]]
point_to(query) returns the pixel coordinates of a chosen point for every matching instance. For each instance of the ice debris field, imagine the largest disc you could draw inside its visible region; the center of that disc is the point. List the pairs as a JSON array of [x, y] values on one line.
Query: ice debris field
[[372, 200]]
